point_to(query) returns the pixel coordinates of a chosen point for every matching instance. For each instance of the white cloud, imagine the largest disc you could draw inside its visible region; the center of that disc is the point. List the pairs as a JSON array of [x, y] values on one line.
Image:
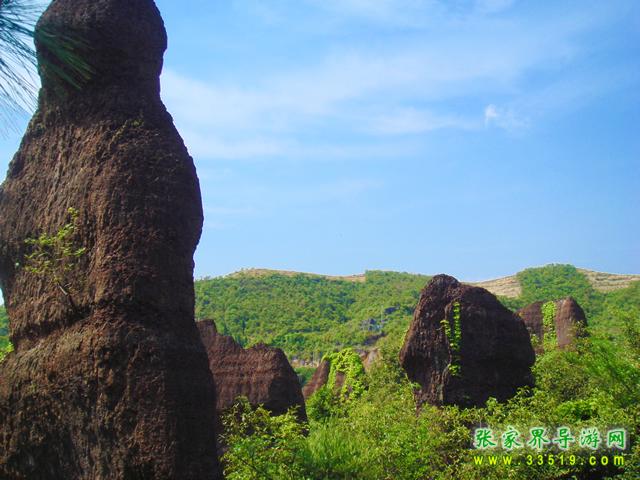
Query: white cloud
[[406, 121], [490, 114], [505, 118], [410, 86], [220, 146]]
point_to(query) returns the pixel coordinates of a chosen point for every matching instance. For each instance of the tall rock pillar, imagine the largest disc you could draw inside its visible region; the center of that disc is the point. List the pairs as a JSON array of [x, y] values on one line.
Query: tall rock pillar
[[109, 378]]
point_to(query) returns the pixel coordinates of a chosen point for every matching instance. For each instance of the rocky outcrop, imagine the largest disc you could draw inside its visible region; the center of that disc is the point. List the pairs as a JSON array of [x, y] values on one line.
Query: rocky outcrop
[[569, 321], [318, 379], [464, 346], [260, 373], [109, 378], [370, 358], [343, 371]]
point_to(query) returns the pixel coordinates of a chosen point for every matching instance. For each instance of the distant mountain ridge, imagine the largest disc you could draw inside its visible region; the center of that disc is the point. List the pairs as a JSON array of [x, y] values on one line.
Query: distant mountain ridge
[[308, 315], [504, 286]]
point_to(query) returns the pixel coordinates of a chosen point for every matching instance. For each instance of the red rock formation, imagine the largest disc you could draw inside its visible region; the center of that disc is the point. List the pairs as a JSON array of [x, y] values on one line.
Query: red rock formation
[[532, 317], [494, 356], [569, 320], [318, 379], [260, 373], [112, 382]]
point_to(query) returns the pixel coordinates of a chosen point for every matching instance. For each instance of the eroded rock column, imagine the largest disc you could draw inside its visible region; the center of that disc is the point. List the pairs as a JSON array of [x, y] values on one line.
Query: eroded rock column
[[111, 380]]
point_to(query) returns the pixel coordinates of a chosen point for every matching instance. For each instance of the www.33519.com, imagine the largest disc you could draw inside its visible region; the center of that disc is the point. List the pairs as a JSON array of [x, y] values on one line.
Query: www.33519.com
[[549, 459]]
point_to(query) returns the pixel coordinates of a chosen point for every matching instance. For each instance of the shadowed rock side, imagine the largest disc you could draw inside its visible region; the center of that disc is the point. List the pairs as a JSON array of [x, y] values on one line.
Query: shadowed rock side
[[494, 356], [260, 373], [318, 379], [112, 383], [570, 321]]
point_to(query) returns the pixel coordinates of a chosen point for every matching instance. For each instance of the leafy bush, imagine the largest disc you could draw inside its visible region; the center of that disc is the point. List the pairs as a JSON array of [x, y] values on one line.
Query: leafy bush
[[379, 435], [304, 374], [329, 401]]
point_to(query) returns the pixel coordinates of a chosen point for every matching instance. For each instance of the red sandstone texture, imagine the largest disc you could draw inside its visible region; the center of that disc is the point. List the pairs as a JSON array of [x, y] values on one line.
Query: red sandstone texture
[[261, 374], [318, 379], [113, 383], [569, 321], [495, 353]]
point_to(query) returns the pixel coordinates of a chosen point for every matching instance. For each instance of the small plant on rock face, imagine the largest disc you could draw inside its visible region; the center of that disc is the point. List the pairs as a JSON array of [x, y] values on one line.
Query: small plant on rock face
[[5, 350], [454, 336], [54, 257], [549, 324]]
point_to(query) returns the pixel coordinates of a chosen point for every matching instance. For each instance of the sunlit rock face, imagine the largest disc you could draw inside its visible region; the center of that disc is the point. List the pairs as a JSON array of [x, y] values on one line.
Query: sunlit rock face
[[318, 379], [111, 380], [260, 373], [464, 346], [569, 322]]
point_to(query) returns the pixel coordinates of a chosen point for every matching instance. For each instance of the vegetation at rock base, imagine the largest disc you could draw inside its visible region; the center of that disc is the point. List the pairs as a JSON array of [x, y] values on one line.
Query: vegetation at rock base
[[309, 316], [379, 435], [333, 398]]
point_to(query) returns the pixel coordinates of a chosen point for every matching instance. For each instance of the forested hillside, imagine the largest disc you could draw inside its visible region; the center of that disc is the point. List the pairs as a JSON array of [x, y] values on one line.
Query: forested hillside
[[309, 315]]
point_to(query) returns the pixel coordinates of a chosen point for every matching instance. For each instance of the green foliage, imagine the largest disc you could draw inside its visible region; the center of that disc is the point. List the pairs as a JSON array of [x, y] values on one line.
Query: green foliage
[[324, 404], [549, 323], [4, 322], [454, 337], [304, 374], [329, 401], [261, 447], [380, 436], [306, 315], [309, 315], [5, 345], [54, 257], [4, 331], [5, 349], [348, 363], [553, 282]]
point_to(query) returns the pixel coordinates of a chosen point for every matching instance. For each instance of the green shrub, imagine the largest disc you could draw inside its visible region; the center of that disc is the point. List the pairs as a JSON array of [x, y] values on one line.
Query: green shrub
[[381, 435]]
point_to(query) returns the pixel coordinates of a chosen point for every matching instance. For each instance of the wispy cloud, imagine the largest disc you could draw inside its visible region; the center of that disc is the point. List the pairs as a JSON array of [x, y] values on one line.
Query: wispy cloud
[[408, 121], [505, 118], [410, 86]]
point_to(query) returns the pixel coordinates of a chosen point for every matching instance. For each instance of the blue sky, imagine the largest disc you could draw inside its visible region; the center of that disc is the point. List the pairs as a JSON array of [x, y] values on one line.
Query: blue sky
[[475, 138]]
